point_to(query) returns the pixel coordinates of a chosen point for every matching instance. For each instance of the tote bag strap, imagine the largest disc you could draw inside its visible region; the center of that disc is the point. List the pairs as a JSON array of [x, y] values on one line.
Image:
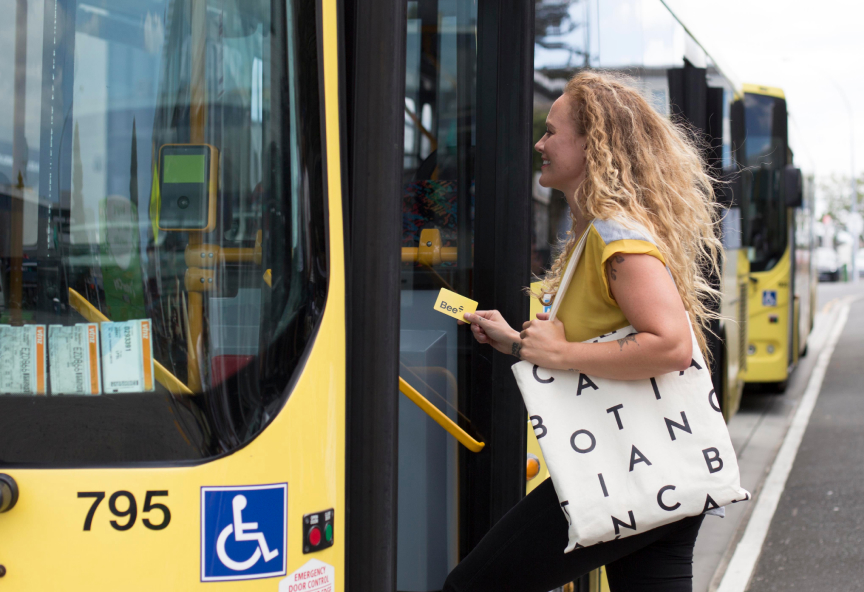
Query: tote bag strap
[[568, 273]]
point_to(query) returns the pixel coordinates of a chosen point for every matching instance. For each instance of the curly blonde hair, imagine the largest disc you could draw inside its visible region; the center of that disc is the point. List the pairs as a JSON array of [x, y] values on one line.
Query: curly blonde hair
[[643, 168]]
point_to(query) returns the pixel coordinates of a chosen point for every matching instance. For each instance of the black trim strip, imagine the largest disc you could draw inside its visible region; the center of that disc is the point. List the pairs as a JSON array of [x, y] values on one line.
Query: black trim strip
[[377, 29], [493, 481]]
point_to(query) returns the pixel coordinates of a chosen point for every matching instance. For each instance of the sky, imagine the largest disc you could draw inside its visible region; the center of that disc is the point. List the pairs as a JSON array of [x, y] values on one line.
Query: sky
[[812, 50]]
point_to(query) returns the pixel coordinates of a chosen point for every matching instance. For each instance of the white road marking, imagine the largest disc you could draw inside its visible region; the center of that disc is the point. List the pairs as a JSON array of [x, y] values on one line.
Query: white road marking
[[743, 562]]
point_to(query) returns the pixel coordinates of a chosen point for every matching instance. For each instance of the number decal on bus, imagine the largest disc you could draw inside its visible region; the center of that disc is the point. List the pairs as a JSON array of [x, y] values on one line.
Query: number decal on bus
[[128, 510]]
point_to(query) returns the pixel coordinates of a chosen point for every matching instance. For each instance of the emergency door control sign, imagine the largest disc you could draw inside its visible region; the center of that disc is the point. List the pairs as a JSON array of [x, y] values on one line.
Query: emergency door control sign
[[314, 576], [243, 532]]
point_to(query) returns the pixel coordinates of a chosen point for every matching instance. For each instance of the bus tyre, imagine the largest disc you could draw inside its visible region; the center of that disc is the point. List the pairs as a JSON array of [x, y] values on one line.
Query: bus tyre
[[777, 388]]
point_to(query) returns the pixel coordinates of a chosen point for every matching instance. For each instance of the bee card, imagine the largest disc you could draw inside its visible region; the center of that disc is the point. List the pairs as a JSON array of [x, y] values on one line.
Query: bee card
[[454, 305]]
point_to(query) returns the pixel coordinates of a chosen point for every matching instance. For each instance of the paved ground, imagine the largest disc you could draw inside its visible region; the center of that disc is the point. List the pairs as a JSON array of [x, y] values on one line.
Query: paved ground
[[816, 539], [808, 537]]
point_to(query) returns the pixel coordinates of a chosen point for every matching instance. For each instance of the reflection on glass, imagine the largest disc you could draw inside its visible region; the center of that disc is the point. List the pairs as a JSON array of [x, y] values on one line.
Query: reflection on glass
[[765, 153], [638, 38], [154, 168], [437, 252]]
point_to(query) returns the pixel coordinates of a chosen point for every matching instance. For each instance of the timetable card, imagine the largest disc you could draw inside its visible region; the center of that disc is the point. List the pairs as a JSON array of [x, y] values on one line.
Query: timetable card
[[127, 357], [23, 367], [75, 360]]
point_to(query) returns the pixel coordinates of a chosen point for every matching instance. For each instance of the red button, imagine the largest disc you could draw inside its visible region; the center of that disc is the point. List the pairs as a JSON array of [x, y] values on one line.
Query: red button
[[314, 536]]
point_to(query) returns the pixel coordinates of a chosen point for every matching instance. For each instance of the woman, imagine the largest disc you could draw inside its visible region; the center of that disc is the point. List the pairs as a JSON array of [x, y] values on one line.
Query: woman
[[637, 184]]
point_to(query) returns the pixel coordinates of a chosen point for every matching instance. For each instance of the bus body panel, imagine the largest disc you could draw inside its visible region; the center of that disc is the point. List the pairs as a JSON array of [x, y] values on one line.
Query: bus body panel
[[770, 325], [733, 307]]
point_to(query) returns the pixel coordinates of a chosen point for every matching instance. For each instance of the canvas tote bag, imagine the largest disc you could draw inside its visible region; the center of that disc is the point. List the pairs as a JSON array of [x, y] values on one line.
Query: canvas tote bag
[[626, 456]]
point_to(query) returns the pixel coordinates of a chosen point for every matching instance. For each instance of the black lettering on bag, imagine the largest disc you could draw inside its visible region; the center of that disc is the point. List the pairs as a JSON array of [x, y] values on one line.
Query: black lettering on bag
[[683, 427], [538, 426], [660, 503], [710, 504], [744, 499], [564, 505], [712, 400], [602, 484], [584, 382], [618, 523], [710, 460], [617, 417], [542, 380], [637, 457], [583, 450], [692, 363], [656, 390]]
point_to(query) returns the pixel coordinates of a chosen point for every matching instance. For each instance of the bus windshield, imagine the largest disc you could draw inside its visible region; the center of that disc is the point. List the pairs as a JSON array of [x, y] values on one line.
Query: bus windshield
[[764, 158], [162, 256]]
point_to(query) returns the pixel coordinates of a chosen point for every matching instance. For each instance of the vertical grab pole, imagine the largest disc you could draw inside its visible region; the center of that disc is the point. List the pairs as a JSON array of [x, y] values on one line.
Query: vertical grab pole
[[197, 127]]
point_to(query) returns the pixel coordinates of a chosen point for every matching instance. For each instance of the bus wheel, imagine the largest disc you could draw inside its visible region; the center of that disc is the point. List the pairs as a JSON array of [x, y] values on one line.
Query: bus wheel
[[777, 388]]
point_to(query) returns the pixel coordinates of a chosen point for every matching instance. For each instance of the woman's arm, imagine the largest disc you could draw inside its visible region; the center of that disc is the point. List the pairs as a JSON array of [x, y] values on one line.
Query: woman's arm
[[648, 298]]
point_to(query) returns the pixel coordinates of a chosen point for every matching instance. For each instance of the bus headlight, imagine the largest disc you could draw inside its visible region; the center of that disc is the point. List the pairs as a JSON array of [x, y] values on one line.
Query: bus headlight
[[751, 350], [770, 349]]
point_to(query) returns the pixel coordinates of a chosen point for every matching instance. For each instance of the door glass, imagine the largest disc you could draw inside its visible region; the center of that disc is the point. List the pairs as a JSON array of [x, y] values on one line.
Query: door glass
[[437, 252], [153, 179]]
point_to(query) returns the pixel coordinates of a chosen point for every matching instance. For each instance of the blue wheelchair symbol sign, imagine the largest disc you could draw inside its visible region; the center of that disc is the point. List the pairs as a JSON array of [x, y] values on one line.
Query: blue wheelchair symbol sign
[[243, 532], [769, 298]]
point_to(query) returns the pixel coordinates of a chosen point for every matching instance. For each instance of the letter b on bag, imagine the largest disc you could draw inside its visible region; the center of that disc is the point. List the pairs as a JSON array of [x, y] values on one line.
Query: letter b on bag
[[712, 455]]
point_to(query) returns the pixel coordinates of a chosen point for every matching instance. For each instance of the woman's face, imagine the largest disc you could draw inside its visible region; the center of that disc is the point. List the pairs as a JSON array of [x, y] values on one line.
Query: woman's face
[[563, 151]]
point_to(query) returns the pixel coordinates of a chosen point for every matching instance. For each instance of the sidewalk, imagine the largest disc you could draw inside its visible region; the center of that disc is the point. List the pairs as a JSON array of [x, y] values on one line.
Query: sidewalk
[[816, 539], [757, 433]]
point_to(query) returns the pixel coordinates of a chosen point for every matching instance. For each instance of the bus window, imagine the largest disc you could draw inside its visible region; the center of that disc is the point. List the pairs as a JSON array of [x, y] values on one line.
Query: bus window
[[765, 158], [161, 180], [438, 220]]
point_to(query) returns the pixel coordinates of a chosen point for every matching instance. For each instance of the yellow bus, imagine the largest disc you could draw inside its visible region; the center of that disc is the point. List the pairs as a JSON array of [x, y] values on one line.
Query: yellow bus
[[778, 231]]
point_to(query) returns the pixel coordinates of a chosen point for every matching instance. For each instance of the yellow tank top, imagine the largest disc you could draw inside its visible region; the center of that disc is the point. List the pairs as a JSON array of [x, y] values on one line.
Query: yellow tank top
[[589, 309]]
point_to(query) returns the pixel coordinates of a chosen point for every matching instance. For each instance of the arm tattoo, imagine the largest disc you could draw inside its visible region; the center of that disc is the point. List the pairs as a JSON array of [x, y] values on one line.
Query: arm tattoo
[[625, 340], [612, 270], [516, 349]]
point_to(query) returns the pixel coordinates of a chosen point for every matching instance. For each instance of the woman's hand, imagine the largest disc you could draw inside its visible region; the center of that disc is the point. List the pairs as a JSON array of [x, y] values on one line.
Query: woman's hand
[[543, 341], [488, 326]]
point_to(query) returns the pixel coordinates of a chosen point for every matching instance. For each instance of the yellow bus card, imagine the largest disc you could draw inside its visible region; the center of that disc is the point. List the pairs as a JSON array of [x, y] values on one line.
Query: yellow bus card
[[454, 305], [23, 363], [127, 357], [76, 367]]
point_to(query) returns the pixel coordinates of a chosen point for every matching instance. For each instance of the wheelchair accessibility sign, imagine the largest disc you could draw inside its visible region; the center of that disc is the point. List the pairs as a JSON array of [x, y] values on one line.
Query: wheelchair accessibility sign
[[243, 532], [769, 298]]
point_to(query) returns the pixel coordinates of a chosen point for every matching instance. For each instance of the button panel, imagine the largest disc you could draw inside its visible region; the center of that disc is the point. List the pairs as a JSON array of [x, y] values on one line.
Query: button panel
[[317, 531]]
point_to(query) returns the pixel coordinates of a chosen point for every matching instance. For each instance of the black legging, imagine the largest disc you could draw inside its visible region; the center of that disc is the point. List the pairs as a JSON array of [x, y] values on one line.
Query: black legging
[[524, 552]]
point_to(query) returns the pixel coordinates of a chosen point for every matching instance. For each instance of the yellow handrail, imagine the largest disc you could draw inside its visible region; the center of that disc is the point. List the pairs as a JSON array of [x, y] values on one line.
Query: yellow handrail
[[94, 315], [439, 418]]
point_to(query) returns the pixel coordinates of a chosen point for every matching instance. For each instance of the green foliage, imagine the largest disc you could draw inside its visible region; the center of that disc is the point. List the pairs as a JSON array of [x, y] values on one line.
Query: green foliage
[[835, 196], [539, 130]]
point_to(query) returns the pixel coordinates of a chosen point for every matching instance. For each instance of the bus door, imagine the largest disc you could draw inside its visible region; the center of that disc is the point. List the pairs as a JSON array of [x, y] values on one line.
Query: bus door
[[451, 491], [438, 218]]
